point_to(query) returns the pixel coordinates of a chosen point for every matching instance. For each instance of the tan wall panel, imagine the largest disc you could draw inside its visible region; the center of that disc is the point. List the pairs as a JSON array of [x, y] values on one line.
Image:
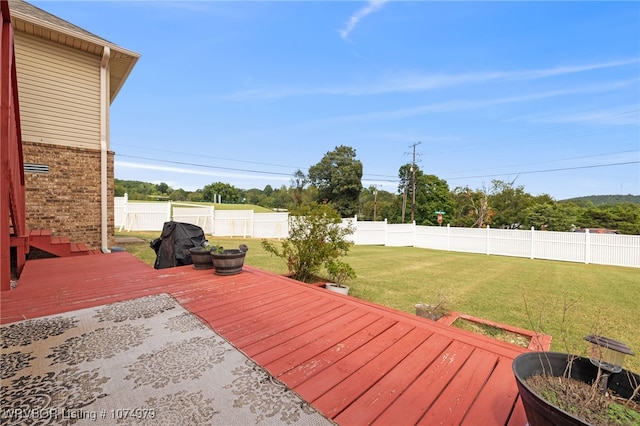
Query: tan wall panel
[[59, 90]]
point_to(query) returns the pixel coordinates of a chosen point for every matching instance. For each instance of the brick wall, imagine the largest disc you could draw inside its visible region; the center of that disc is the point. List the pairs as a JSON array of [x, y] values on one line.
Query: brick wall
[[66, 200]]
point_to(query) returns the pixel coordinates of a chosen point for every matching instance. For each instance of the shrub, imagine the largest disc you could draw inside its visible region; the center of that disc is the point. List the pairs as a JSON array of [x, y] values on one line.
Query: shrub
[[339, 272], [316, 238]]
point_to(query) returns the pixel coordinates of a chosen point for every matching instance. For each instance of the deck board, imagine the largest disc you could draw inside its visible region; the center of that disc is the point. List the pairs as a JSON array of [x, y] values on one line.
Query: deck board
[[357, 362]]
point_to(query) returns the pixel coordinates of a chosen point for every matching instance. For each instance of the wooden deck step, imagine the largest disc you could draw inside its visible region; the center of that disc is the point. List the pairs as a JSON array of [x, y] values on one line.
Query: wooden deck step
[[60, 246]]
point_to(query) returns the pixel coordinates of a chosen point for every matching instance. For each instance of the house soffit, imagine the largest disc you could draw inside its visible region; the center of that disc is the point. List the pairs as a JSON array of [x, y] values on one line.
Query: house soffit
[[31, 20]]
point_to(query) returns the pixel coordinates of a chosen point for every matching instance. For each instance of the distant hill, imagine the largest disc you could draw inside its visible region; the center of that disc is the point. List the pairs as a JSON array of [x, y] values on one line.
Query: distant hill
[[600, 200]]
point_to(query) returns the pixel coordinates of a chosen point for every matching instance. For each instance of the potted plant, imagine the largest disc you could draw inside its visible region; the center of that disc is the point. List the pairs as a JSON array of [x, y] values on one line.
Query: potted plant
[[339, 272], [228, 262], [201, 256], [563, 389]]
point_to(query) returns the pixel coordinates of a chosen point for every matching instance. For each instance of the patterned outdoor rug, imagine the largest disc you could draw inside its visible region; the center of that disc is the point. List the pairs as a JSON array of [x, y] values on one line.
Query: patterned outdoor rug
[[142, 361]]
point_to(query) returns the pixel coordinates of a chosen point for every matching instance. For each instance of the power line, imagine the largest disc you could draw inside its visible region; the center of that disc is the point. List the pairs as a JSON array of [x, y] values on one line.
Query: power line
[[212, 157], [182, 163], [548, 170], [555, 161]]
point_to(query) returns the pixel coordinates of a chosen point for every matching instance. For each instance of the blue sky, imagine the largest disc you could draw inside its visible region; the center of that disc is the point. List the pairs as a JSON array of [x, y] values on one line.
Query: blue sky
[[546, 94]]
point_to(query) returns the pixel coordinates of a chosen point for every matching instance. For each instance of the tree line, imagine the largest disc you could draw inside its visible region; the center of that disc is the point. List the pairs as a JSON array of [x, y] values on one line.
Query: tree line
[[420, 197]]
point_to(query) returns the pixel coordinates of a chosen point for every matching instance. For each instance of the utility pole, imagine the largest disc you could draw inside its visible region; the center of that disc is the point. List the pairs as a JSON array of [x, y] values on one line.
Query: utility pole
[[413, 182], [375, 201]]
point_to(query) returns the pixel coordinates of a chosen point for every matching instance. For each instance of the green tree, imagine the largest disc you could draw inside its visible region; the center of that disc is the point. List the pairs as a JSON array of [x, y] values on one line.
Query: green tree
[[471, 207], [625, 218], [551, 216], [163, 188], [405, 190], [432, 194], [298, 184], [179, 195], [282, 198], [508, 203], [375, 201], [119, 189], [255, 196], [338, 178], [228, 193]]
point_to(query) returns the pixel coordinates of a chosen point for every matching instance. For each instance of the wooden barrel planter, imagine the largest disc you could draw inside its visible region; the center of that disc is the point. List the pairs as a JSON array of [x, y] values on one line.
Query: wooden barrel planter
[[229, 262], [201, 257]]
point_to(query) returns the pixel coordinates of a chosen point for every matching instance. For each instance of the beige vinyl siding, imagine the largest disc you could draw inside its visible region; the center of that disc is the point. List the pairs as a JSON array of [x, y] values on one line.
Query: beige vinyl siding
[[59, 91]]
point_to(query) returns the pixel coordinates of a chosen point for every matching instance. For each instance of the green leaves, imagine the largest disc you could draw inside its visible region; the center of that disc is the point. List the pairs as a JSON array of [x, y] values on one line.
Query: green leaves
[[317, 238]]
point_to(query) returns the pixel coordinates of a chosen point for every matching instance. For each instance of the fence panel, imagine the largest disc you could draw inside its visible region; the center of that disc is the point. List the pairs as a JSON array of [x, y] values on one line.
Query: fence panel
[[271, 225], [119, 204], [233, 223], [468, 240], [432, 237], [509, 242], [370, 233], [565, 246], [603, 249], [201, 216], [618, 250], [401, 235], [145, 216]]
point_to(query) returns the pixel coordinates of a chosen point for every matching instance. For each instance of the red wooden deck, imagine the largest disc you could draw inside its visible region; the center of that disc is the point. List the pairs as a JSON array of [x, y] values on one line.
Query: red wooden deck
[[357, 362]]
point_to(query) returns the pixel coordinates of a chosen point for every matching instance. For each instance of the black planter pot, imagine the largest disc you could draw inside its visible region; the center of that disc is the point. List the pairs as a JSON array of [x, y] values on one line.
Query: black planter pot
[[539, 411], [201, 258], [229, 262]]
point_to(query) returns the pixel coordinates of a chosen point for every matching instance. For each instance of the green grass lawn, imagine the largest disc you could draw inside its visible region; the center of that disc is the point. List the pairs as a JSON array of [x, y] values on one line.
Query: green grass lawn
[[563, 299]]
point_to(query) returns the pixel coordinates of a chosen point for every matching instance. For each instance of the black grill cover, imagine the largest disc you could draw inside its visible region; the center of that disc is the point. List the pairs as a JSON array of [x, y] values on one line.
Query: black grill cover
[[172, 248]]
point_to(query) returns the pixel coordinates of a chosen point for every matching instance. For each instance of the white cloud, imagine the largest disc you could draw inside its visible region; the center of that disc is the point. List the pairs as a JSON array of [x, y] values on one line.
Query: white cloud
[[371, 7], [415, 82], [629, 116], [194, 171], [458, 105]]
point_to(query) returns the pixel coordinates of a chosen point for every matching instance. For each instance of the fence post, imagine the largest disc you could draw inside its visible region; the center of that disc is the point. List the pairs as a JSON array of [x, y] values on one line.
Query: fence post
[[587, 246], [532, 241], [448, 237], [386, 231], [355, 229], [125, 211], [413, 234], [488, 231], [211, 217], [169, 212]]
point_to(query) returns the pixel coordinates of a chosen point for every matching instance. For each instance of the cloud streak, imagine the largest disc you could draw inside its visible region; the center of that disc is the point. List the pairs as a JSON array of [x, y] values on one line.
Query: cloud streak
[[354, 20], [412, 83], [194, 171], [458, 105]]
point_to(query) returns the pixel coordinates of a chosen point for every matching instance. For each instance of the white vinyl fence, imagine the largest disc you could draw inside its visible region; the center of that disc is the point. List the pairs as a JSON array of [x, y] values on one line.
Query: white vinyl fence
[[583, 247], [132, 216], [603, 249]]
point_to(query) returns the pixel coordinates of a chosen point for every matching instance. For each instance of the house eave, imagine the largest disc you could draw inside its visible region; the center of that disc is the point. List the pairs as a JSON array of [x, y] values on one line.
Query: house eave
[[123, 60]]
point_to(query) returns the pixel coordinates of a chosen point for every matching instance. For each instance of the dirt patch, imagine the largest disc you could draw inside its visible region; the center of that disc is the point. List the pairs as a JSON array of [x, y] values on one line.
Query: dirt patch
[[585, 401], [129, 240], [492, 331]]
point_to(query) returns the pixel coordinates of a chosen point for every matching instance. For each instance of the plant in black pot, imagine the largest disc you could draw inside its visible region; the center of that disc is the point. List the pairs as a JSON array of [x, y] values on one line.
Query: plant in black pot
[[563, 389], [228, 262]]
